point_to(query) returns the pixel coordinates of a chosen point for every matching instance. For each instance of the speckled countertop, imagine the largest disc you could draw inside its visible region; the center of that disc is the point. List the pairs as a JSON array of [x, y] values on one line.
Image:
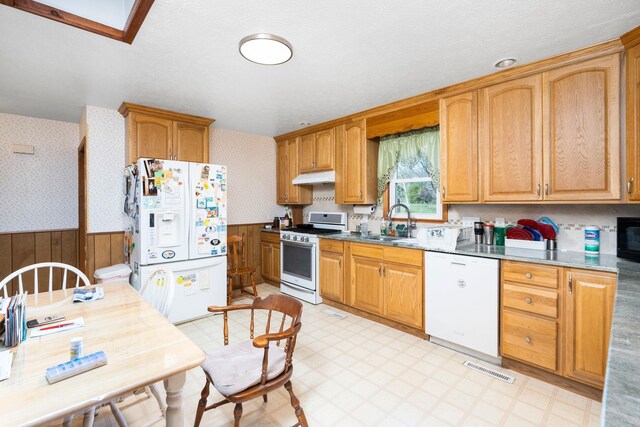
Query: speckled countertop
[[621, 399]]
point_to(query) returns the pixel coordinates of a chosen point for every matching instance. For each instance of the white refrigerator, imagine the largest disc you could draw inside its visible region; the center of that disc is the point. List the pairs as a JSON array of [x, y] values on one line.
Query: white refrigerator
[[177, 220]]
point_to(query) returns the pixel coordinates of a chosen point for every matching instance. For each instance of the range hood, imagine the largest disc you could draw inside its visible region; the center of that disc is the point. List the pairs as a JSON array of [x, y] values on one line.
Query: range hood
[[315, 178]]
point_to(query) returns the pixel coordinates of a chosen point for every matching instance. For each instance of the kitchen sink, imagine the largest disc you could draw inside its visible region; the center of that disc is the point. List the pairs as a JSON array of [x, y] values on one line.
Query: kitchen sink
[[392, 239]]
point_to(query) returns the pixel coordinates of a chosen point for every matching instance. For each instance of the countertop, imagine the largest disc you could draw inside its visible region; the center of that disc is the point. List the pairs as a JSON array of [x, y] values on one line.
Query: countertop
[[621, 398], [270, 230]]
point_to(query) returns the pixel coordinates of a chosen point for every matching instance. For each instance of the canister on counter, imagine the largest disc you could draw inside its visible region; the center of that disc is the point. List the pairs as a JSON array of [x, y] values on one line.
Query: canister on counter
[[592, 240]]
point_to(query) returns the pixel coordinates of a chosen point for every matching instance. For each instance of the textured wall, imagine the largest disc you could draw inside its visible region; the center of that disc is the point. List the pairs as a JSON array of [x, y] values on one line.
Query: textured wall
[[251, 168], [38, 192], [105, 163]]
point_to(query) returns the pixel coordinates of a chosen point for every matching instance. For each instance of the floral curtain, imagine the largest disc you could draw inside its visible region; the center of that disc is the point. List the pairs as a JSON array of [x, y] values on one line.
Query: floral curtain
[[407, 148]]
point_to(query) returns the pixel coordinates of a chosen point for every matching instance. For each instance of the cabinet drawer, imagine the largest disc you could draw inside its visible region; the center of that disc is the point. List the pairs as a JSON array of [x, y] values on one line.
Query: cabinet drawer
[[529, 299], [331, 246], [367, 251], [266, 236], [531, 274], [413, 257], [530, 339]]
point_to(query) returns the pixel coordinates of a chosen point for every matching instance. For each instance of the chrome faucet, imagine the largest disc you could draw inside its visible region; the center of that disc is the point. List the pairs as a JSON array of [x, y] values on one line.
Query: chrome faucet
[[410, 224]]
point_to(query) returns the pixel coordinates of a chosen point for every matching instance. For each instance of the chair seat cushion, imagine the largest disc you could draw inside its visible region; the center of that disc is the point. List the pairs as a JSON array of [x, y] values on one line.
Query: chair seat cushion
[[234, 368]]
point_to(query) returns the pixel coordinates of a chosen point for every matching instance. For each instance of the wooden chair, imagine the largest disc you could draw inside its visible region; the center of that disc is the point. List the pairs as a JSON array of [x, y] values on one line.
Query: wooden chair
[[80, 277], [253, 368], [237, 265], [158, 290]]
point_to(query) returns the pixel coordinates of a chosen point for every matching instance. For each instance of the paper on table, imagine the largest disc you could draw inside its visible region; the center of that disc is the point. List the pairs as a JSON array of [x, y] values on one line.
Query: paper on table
[[6, 358], [39, 332]]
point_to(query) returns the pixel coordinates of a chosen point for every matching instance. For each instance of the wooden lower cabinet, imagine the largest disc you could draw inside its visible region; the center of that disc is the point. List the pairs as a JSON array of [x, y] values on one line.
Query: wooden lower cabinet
[[588, 312], [367, 290], [557, 319], [403, 300], [270, 251], [331, 276], [390, 289]]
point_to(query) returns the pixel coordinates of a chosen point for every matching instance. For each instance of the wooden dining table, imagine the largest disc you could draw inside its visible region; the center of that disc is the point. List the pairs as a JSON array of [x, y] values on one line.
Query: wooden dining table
[[142, 348]]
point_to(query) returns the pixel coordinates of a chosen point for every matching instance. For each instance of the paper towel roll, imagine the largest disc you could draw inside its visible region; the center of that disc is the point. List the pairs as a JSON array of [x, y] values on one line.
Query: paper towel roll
[[364, 210]]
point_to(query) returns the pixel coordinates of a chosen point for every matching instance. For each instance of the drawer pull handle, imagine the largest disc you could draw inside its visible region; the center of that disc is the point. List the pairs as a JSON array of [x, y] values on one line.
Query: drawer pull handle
[[528, 275], [527, 300], [527, 340]]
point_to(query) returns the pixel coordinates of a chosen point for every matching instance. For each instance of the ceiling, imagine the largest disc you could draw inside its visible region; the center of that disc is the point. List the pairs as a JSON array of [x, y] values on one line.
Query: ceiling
[[348, 55]]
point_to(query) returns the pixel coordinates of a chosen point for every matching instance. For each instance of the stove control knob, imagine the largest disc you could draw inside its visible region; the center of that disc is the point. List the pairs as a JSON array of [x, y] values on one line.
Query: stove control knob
[[285, 237], [295, 237], [305, 239]]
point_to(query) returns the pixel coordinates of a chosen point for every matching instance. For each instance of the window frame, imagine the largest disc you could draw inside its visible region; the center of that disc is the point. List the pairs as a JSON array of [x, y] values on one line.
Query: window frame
[[402, 216]]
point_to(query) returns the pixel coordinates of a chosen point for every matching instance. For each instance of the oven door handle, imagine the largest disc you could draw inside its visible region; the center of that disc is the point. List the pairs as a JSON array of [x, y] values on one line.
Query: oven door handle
[[298, 287], [301, 245]]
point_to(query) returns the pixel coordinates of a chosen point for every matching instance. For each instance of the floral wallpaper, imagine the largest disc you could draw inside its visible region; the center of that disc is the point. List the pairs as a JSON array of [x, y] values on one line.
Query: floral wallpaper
[[39, 191]]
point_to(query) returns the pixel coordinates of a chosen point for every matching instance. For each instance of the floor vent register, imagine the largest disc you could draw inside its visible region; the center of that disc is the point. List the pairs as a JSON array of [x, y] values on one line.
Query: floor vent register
[[487, 371]]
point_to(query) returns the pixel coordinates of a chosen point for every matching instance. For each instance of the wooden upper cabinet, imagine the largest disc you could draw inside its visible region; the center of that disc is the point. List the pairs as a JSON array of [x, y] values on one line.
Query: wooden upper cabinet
[[589, 309], [356, 170], [191, 142], [317, 151], [510, 133], [324, 150], [149, 136], [307, 153], [296, 194], [459, 148], [282, 172], [162, 134], [633, 124], [581, 137]]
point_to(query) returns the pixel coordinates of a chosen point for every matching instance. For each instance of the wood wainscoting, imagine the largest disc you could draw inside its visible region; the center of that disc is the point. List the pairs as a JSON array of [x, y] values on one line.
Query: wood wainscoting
[[20, 249], [24, 248], [102, 250]]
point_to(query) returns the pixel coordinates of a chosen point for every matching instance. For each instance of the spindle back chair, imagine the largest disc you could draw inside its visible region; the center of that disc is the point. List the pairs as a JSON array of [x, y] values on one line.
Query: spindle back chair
[[80, 277], [281, 312]]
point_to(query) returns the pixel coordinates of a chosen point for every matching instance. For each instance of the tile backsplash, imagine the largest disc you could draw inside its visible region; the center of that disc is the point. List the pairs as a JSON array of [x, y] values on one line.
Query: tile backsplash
[[571, 219]]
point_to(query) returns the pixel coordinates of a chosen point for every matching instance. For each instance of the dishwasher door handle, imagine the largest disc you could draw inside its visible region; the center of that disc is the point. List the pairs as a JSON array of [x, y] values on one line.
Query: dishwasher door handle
[[458, 263]]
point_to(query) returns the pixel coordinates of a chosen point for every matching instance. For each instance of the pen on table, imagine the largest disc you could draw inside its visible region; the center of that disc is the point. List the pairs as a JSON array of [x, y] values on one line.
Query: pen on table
[[56, 326]]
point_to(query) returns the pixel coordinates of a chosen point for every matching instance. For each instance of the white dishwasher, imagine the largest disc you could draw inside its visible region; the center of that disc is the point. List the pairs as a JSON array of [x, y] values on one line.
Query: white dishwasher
[[461, 303]]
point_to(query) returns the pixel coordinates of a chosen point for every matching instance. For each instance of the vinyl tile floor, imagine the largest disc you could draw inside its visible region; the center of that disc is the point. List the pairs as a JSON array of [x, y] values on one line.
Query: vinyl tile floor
[[354, 372]]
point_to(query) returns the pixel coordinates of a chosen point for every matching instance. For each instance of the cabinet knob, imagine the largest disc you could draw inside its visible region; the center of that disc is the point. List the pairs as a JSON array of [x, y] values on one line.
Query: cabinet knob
[[527, 340], [546, 189], [528, 275], [538, 191], [629, 185], [527, 300]]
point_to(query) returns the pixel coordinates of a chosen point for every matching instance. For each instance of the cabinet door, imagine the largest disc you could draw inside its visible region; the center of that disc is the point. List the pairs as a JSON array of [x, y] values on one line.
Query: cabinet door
[[150, 136], [459, 148], [331, 279], [588, 312], [296, 194], [275, 259], [190, 142], [633, 124], [307, 153], [403, 300], [581, 117], [282, 172], [367, 291], [267, 264], [324, 150], [510, 132], [354, 162]]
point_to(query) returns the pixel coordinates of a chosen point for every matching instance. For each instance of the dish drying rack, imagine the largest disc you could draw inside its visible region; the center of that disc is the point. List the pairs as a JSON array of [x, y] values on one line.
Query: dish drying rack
[[445, 237]]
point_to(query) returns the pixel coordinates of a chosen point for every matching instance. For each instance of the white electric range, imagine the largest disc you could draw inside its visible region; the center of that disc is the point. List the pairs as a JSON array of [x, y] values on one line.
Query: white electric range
[[299, 254]]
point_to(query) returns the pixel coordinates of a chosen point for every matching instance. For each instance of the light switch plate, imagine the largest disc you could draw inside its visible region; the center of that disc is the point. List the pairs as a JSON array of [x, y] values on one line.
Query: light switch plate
[[23, 149]]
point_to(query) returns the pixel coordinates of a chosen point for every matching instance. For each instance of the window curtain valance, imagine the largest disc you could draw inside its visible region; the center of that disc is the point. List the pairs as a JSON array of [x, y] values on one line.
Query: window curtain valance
[[407, 148]]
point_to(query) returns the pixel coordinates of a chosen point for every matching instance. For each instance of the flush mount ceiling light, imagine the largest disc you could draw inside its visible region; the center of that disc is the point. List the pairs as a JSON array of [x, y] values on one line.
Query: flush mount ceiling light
[[266, 49], [505, 63]]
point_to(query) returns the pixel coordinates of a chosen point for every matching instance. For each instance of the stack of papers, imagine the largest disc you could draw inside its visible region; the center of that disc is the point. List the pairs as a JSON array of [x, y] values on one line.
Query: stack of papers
[[88, 294], [6, 358], [15, 324]]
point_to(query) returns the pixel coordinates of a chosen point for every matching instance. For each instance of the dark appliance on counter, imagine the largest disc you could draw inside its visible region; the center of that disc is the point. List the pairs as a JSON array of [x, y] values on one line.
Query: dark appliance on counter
[[628, 239]]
